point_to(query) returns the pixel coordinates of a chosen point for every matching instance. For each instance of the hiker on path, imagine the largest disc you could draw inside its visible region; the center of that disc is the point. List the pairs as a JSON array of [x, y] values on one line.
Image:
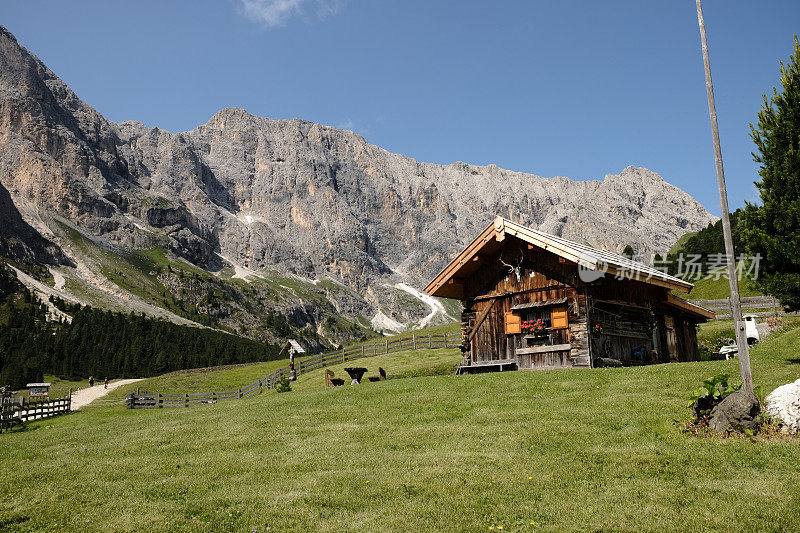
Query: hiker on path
[[91, 381], [105, 383]]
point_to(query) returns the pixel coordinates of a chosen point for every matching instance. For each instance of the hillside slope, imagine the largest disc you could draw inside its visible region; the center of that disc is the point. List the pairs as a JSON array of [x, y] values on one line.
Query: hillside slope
[[558, 450]]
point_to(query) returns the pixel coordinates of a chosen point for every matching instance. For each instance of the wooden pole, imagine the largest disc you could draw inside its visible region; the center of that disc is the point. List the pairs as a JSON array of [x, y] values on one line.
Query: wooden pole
[[741, 336]]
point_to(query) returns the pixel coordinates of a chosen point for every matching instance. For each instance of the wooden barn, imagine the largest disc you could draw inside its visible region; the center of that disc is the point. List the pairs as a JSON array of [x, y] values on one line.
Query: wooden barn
[[533, 300]]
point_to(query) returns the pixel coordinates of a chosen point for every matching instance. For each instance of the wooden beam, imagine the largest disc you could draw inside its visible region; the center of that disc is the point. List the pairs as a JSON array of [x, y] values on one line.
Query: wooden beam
[[467, 253], [515, 293], [741, 337], [480, 320]]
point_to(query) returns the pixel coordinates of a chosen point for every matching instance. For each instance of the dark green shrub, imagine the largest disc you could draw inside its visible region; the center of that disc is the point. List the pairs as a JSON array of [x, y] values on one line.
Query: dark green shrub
[[284, 385]]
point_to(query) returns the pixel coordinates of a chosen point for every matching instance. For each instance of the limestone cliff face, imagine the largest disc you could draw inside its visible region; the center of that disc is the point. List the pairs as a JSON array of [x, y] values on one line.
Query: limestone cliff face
[[303, 198]]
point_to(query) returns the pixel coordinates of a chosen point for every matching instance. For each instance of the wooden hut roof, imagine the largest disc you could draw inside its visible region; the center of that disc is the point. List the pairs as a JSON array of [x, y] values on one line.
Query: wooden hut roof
[[690, 308], [292, 344], [446, 284]]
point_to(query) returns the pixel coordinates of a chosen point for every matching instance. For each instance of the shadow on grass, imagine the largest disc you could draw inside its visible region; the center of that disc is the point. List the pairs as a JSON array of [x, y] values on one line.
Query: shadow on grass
[[7, 520], [23, 427], [793, 360]]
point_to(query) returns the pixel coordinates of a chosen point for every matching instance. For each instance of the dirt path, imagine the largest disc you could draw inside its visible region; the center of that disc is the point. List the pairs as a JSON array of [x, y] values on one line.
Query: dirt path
[[83, 397]]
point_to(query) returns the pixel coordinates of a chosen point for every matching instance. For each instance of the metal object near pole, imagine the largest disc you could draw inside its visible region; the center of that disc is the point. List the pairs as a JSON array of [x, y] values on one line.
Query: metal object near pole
[[741, 337]]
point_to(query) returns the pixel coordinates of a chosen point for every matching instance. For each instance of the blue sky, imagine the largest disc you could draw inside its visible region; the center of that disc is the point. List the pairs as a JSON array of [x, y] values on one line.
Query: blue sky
[[556, 88]]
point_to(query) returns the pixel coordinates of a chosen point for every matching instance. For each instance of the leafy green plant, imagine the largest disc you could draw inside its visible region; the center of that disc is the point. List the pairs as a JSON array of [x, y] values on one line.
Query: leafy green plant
[[283, 385], [713, 391]]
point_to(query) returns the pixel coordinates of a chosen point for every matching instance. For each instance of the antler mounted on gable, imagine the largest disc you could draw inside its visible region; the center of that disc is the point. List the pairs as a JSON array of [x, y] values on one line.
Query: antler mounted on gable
[[516, 269]]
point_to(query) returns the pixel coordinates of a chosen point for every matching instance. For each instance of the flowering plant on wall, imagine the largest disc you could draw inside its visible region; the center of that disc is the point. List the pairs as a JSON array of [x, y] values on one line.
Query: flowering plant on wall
[[533, 327], [597, 330]]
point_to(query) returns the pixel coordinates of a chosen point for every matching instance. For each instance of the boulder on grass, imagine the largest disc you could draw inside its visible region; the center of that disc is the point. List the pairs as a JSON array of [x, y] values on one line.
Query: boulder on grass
[[784, 403], [608, 362], [739, 411]]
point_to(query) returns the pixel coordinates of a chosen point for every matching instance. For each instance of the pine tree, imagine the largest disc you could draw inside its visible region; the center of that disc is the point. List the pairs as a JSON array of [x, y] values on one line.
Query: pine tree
[[773, 229], [628, 251]]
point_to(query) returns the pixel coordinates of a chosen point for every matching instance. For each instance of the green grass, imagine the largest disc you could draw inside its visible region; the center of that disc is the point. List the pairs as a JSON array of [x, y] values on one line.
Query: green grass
[[135, 272], [715, 328], [401, 364], [571, 450], [452, 327], [396, 365], [678, 246], [203, 380], [59, 387], [714, 289]]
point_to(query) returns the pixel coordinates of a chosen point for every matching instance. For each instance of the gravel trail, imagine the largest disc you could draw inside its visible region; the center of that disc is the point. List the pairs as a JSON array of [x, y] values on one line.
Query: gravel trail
[[83, 397]]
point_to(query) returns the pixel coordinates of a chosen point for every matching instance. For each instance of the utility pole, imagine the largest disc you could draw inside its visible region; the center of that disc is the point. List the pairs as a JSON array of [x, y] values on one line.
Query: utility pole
[[741, 336]]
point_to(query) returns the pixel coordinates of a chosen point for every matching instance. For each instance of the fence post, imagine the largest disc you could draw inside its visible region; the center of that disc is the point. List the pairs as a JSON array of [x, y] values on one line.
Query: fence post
[[430, 341], [158, 400], [362, 350], [387, 345], [342, 355], [238, 394], [414, 340]]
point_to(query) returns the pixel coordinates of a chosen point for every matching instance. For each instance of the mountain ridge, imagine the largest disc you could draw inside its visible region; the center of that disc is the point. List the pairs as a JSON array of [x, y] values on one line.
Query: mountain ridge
[[243, 194]]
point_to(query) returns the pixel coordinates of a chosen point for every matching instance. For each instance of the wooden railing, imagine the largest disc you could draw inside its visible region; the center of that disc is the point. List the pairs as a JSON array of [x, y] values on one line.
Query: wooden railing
[[722, 307], [15, 411], [158, 400]]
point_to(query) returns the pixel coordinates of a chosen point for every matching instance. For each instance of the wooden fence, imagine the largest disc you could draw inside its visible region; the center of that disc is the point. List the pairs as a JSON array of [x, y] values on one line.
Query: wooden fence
[[722, 307], [314, 362], [18, 410]]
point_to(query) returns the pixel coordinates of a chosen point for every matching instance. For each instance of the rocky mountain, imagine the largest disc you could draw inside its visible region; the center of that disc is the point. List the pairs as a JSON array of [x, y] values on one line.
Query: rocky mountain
[[245, 219]]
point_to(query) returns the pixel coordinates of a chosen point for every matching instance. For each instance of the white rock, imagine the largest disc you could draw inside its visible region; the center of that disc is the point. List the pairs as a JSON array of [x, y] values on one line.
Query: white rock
[[784, 403]]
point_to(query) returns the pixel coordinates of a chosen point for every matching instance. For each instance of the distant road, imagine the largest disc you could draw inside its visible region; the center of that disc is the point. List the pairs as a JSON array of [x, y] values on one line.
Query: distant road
[[83, 397]]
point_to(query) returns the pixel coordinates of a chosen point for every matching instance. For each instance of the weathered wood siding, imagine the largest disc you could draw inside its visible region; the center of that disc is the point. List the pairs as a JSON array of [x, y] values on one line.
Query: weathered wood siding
[[542, 276], [686, 339], [579, 331], [498, 289], [626, 331]]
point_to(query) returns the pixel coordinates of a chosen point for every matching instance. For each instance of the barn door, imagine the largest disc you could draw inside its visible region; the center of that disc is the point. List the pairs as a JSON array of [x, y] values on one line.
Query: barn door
[[672, 339]]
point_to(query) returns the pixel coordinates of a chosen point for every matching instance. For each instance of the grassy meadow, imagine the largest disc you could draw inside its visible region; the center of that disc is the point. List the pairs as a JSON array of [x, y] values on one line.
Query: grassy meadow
[[716, 289], [558, 450]]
